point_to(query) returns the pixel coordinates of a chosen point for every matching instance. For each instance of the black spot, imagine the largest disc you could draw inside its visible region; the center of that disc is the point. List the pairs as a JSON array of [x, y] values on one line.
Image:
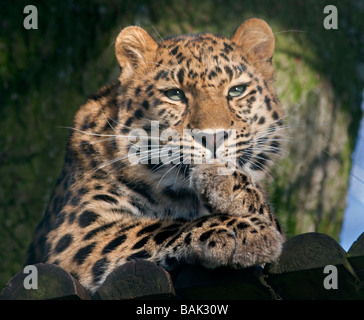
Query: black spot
[[150, 88], [106, 198], [267, 102], [128, 122], [156, 102], [60, 217], [149, 228], [63, 243], [222, 55], [139, 255], [229, 71], [129, 105], [97, 230], [112, 245], [83, 253], [212, 244], [113, 144], [137, 91], [71, 217], [141, 243], [180, 76], [259, 89], [201, 222], [138, 114], [75, 201], [174, 50], [243, 178], [224, 217], [87, 148], [172, 226], [99, 175], [99, 269], [124, 229], [242, 225], [231, 222], [253, 231], [236, 187], [114, 191], [206, 235], [86, 218], [161, 74], [164, 235], [275, 115], [261, 120], [187, 239], [173, 240], [88, 125], [145, 104], [227, 47], [212, 75]]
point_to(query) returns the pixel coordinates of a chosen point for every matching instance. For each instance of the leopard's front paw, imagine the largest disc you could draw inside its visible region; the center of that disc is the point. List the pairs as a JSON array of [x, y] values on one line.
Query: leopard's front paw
[[217, 247], [213, 188], [257, 243], [240, 243], [233, 193]]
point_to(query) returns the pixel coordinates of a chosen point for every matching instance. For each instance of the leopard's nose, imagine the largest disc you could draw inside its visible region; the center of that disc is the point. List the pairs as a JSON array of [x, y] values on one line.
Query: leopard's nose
[[210, 140]]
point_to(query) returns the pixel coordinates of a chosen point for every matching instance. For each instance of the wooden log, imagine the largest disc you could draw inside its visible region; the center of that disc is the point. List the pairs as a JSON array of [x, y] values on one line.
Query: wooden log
[[51, 282], [137, 279], [194, 282], [300, 271], [356, 257]]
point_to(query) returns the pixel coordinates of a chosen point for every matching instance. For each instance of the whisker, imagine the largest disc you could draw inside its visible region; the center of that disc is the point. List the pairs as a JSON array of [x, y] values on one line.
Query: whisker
[[167, 172], [96, 134], [166, 45]]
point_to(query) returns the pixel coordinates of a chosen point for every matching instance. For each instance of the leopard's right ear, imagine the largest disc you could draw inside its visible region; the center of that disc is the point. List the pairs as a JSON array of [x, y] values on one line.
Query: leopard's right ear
[[133, 47]]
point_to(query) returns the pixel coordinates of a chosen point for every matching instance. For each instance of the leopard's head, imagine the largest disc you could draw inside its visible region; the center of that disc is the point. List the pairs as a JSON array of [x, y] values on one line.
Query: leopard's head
[[200, 98]]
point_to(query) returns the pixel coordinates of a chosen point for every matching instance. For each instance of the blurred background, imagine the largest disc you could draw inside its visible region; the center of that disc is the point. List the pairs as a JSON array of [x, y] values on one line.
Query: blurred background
[[46, 74]]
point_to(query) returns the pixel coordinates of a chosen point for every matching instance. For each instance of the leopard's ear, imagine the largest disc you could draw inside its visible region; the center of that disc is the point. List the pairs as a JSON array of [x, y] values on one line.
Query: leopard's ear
[[256, 40], [133, 47]]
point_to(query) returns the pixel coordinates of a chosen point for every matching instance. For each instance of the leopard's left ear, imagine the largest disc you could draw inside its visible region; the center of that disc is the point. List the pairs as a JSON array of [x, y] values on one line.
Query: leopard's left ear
[[256, 40], [133, 47]]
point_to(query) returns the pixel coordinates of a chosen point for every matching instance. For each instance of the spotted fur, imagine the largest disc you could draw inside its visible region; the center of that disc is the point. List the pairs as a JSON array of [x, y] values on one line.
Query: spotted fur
[[106, 211]]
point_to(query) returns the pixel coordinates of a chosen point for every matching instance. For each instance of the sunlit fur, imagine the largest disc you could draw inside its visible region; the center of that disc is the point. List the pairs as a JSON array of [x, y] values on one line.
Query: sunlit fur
[[109, 207]]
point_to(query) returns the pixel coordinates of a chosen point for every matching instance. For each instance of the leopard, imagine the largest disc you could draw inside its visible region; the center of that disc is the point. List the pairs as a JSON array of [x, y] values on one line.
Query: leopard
[[214, 93]]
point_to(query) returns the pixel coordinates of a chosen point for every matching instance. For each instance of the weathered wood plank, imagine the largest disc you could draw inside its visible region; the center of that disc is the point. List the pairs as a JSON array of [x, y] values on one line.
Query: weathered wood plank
[[299, 272], [194, 282], [135, 280], [356, 257], [52, 281]]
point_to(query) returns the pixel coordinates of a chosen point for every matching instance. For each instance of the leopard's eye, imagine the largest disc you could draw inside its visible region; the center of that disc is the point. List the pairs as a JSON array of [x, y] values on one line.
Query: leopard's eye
[[237, 91], [175, 94]]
